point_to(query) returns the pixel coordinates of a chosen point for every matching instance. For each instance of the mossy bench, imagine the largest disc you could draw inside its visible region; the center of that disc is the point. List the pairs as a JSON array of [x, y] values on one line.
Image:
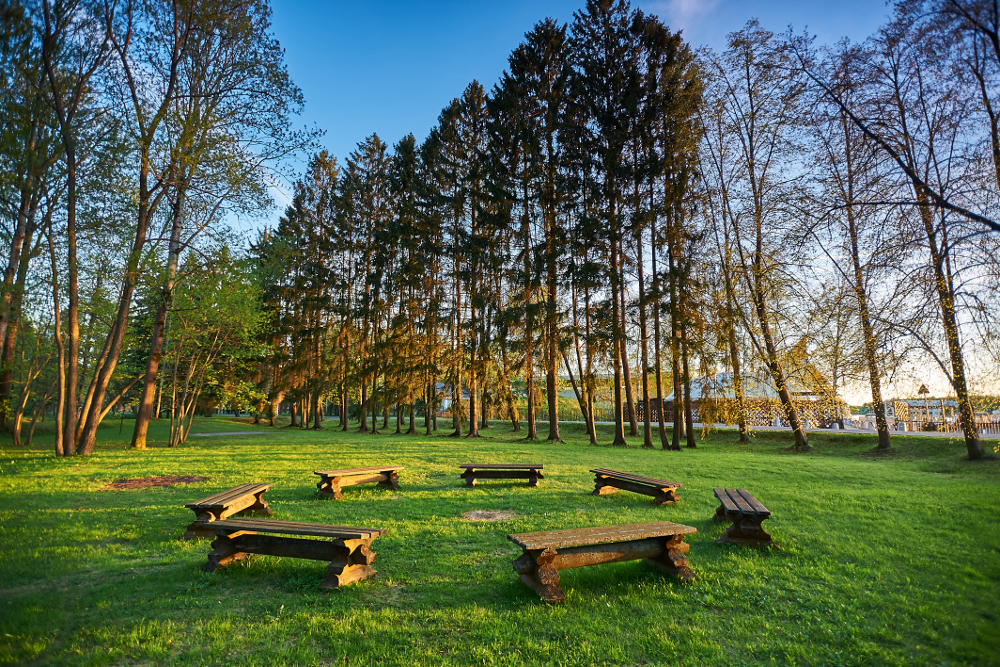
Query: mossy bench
[[659, 543]]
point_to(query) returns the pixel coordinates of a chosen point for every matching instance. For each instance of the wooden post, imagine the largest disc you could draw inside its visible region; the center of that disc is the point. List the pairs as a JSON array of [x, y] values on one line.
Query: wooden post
[[224, 551], [673, 559], [390, 480], [259, 506], [539, 574]]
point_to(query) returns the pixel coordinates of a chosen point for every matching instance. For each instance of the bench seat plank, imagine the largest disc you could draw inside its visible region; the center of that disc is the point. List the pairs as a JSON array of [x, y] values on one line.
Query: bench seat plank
[[607, 482], [661, 483], [225, 497], [727, 504], [238, 501], [741, 503], [578, 537], [753, 502], [503, 466], [358, 471], [297, 528]]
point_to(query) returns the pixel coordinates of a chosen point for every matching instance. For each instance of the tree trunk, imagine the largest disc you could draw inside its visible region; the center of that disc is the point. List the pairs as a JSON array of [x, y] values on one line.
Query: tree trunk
[[14, 307], [363, 409], [473, 382], [679, 427], [11, 293], [456, 406], [587, 379], [551, 351], [946, 297], [647, 426], [145, 409], [734, 356], [429, 406], [688, 408], [871, 351], [617, 345], [777, 373], [60, 351], [678, 403], [627, 368], [576, 391], [116, 337], [317, 412], [344, 406], [14, 258], [73, 307], [529, 364], [508, 394]]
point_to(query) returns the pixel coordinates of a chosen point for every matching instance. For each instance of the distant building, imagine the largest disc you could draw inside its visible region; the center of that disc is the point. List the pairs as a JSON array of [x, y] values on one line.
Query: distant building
[[936, 414], [713, 400], [922, 410]]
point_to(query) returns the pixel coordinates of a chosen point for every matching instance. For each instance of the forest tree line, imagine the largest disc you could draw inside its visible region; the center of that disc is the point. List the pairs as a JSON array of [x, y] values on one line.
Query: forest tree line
[[619, 208]]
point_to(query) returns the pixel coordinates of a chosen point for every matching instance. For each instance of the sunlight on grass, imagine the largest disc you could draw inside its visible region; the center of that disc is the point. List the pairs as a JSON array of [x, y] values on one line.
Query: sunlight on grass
[[883, 560]]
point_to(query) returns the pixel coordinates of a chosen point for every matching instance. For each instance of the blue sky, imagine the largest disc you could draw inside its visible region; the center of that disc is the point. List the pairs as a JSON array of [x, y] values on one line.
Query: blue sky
[[390, 67]]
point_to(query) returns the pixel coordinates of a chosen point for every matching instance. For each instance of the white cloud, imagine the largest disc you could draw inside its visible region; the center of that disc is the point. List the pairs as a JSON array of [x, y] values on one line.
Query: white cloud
[[681, 14]]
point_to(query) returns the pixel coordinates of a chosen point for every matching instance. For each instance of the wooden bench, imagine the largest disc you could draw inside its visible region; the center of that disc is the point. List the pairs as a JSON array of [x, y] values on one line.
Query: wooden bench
[[660, 543], [347, 549], [607, 482], [746, 514], [530, 471], [239, 500], [332, 481]]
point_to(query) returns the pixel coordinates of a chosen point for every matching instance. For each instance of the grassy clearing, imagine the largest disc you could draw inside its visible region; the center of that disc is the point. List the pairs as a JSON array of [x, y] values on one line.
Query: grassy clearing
[[884, 560]]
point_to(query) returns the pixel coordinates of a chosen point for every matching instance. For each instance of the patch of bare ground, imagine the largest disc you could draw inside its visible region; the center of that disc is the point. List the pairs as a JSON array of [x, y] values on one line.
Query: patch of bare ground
[[488, 515], [156, 480]]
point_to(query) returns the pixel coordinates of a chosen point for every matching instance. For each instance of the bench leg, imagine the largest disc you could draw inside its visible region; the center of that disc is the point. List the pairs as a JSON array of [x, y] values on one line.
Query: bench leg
[[674, 559], [470, 481], [223, 552], [391, 481], [330, 488], [340, 575], [665, 497], [259, 507], [747, 531], [601, 487], [720, 514], [538, 574], [354, 566], [533, 478]]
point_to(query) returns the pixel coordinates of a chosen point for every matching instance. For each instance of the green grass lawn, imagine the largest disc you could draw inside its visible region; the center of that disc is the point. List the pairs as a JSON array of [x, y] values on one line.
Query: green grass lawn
[[884, 560]]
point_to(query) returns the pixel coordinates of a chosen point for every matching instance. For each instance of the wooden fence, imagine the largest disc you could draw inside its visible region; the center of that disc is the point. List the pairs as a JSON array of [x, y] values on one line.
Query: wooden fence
[[760, 411], [985, 428]]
